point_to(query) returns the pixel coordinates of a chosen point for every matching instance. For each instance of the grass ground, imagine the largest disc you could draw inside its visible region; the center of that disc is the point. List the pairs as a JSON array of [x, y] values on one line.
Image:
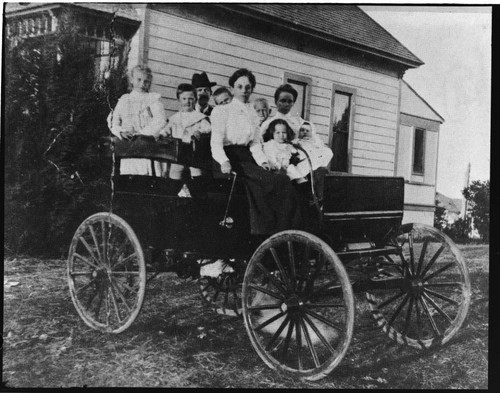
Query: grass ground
[[177, 342]]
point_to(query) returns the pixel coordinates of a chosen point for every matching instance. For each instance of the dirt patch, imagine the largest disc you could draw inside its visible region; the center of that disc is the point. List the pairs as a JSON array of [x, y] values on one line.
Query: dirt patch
[[177, 342]]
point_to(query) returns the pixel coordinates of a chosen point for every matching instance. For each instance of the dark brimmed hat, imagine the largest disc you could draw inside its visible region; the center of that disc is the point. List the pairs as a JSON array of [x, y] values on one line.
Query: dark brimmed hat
[[201, 80]]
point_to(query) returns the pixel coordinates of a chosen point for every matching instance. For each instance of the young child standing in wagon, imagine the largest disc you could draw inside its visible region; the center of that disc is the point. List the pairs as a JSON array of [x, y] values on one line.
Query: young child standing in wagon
[[186, 125], [138, 113], [279, 151]]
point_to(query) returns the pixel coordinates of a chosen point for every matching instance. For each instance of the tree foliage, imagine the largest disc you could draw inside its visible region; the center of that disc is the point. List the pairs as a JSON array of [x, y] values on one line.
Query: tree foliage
[[478, 199], [55, 112], [439, 216]]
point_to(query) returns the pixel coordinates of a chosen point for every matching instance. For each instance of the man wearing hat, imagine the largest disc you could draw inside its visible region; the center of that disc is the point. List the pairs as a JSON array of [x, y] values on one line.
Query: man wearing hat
[[204, 91]]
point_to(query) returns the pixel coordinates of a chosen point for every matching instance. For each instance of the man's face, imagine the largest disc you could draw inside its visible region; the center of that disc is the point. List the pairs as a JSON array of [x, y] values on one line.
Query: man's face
[[203, 94]]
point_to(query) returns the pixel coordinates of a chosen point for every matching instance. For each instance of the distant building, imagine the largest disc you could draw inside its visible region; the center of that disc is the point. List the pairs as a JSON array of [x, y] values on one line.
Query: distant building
[[347, 68]]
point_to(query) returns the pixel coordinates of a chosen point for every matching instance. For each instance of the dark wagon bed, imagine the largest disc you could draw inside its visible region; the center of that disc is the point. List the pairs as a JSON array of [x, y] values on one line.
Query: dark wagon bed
[[294, 289]]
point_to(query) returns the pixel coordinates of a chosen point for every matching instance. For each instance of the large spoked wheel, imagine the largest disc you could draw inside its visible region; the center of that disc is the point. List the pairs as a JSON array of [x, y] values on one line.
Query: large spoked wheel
[[298, 305], [106, 273], [223, 293], [422, 296]]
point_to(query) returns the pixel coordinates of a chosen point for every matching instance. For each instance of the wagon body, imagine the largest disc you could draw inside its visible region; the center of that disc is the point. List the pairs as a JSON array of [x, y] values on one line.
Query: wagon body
[[295, 290]]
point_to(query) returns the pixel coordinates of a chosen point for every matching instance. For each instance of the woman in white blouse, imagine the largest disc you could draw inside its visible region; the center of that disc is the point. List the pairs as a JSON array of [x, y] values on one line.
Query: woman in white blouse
[[236, 146]]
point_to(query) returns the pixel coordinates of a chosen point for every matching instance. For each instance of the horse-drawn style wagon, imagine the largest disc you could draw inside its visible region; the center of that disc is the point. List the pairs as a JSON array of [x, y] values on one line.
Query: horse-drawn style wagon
[[293, 289]]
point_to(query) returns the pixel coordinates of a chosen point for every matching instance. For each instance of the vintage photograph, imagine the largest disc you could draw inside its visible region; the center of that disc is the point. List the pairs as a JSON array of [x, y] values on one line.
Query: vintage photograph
[[246, 195]]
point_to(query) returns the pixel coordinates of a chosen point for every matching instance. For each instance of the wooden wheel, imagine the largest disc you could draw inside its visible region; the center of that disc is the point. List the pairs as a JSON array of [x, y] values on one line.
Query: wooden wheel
[[223, 293], [298, 305], [422, 296], [106, 273]]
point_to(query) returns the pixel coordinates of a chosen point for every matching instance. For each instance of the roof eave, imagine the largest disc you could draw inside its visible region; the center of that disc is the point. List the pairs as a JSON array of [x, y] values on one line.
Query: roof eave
[[409, 63], [425, 102]]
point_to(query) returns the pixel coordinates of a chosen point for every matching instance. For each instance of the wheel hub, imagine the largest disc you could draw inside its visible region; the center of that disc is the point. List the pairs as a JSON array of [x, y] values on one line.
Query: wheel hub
[[416, 287], [291, 304]]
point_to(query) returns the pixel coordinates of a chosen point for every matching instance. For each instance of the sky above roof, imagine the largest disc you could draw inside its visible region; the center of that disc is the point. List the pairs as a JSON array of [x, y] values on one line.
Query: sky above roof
[[455, 45]]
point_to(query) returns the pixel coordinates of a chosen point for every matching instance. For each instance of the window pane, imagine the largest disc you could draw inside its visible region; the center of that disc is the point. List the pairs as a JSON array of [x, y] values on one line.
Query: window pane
[[299, 109], [340, 131], [418, 151]]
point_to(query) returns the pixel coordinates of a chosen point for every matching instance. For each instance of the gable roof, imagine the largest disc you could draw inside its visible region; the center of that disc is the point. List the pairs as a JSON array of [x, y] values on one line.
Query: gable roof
[[413, 104], [344, 24]]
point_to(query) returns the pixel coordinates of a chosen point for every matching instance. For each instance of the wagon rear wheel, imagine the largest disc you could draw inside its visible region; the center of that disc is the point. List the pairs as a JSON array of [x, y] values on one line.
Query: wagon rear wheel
[[427, 289], [223, 293], [106, 273], [298, 305]]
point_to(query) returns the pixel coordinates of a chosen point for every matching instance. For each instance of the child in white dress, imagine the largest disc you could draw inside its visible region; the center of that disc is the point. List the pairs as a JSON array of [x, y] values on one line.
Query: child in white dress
[[319, 154], [138, 113], [187, 124], [279, 150]]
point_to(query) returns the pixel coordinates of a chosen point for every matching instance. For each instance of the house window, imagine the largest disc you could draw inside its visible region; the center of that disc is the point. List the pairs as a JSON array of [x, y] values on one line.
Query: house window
[[341, 115], [418, 151], [303, 86]]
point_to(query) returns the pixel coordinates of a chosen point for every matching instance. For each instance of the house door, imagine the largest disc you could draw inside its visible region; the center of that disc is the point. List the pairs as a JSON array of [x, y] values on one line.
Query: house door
[[339, 137]]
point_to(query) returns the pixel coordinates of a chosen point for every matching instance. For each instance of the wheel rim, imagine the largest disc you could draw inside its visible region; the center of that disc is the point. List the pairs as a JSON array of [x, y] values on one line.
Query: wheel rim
[[223, 294], [432, 299], [296, 283], [106, 273]]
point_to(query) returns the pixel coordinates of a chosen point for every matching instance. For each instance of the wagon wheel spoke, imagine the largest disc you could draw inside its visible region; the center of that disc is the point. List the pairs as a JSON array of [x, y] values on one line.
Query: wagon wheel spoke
[[286, 344], [281, 269], [309, 343], [437, 272], [291, 259], [298, 335], [427, 312], [319, 334], [408, 316], [422, 256], [398, 309], [324, 320], [440, 296], [273, 339], [412, 253], [437, 308], [115, 305], [433, 260], [272, 278], [96, 243], [91, 252]]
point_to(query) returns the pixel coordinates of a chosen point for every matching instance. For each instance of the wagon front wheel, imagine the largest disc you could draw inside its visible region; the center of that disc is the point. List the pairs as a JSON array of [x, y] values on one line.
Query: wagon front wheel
[[422, 295], [298, 305], [106, 273]]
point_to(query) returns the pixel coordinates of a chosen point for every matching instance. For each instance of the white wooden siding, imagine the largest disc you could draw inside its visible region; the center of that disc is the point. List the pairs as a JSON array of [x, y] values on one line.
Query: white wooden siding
[[179, 47], [420, 194], [417, 216]]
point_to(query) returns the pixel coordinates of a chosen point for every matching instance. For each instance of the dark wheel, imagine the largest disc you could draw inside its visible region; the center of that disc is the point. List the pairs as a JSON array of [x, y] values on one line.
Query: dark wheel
[[298, 305], [422, 296], [106, 273], [223, 293]]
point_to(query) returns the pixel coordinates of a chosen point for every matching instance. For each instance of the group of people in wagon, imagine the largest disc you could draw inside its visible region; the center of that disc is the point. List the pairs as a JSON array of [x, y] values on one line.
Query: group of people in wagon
[[272, 154]]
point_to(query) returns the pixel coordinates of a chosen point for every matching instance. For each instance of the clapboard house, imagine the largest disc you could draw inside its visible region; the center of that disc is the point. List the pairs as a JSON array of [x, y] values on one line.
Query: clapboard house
[[347, 68]]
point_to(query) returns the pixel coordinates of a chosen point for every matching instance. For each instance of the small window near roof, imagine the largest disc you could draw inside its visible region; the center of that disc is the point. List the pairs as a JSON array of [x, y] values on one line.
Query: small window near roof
[[418, 151]]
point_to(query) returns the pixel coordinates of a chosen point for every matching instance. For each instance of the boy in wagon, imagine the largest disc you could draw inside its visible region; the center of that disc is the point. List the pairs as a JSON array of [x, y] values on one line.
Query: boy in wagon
[[187, 124]]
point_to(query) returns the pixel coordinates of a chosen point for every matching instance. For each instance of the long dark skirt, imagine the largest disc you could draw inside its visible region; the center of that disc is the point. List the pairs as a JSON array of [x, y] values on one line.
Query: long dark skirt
[[274, 202]]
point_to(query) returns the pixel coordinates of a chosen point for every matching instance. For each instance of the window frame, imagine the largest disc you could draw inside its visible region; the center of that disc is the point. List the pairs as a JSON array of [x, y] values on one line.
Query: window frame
[[342, 89], [289, 77], [424, 143]]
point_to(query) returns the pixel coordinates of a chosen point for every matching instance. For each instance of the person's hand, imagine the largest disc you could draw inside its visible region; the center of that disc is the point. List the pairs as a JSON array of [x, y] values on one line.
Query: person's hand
[[197, 135], [265, 165], [225, 167], [127, 134]]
